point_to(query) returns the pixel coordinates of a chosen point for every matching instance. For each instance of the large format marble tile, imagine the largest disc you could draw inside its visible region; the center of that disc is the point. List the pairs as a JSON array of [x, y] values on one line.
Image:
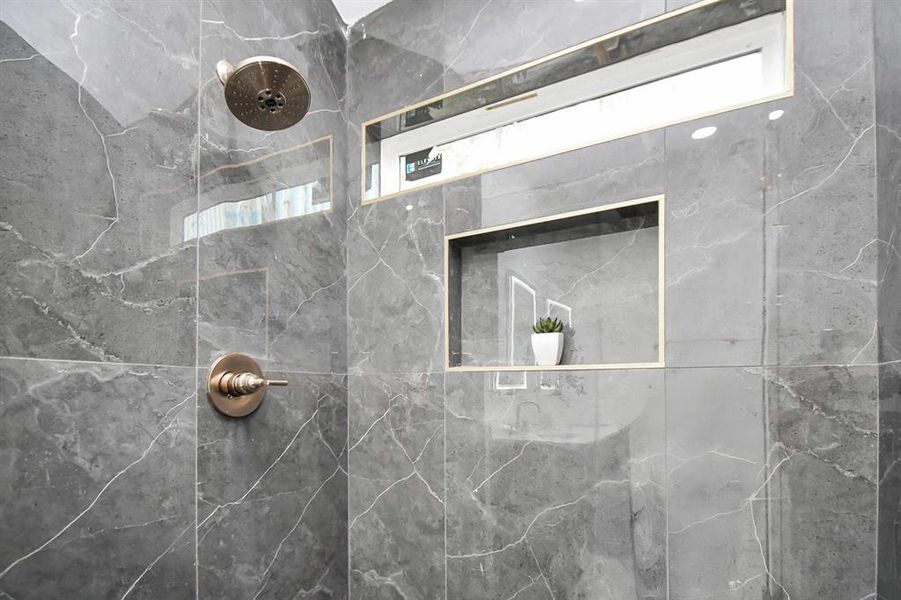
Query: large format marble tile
[[888, 186], [772, 482], [715, 458], [555, 485], [619, 170], [823, 425], [715, 253], [396, 486], [820, 213], [484, 37], [272, 494], [95, 158], [747, 209], [395, 299], [395, 58], [274, 290], [888, 175], [97, 484], [888, 569]]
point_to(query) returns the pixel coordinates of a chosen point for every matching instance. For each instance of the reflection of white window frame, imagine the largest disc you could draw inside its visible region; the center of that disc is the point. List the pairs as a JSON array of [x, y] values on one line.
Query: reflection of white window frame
[[511, 339], [254, 211], [652, 73]]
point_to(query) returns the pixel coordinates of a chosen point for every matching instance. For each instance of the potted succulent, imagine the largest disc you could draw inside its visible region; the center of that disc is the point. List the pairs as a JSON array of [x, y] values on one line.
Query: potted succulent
[[547, 341]]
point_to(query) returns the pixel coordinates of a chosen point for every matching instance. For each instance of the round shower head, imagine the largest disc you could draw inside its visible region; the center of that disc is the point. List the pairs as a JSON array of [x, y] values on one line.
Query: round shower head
[[265, 92]]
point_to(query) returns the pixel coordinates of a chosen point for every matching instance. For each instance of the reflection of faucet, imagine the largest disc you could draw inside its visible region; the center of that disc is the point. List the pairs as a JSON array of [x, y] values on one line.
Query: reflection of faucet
[[519, 425]]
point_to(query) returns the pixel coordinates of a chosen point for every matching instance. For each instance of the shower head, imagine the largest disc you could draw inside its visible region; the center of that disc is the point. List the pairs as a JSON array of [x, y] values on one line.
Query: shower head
[[264, 92]]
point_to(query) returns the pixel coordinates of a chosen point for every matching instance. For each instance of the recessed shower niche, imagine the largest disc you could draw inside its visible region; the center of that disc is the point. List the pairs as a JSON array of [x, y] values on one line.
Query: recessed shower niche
[[600, 271]]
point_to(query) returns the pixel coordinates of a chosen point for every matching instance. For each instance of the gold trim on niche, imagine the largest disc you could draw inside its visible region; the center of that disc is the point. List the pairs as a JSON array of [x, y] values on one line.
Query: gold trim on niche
[[660, 200], [789, 90]]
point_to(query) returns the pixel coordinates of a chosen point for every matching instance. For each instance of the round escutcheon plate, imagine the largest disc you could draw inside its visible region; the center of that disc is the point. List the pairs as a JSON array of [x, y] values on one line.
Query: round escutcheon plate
[[234, 406]]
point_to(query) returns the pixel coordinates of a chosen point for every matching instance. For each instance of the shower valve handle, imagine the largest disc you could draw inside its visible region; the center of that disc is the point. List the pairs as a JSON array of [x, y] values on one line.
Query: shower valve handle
[[241, 384], [236, 385]]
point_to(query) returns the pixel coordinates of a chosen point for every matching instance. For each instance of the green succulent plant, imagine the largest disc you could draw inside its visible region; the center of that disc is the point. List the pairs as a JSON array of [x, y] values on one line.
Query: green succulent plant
[[548, 325]]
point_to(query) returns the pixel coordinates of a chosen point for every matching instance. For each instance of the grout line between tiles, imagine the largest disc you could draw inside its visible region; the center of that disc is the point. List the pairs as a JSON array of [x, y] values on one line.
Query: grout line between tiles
[[97, 362], [197, 303]]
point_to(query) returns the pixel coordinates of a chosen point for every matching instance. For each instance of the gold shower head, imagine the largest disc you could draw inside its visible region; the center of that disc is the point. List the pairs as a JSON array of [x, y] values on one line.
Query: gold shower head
[[264, 92]]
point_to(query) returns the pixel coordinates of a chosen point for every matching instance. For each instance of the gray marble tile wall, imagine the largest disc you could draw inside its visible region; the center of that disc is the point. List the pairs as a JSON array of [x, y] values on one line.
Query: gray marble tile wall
[[95, 156], [745, 469], [272, 495], [395, 327], [396, 465], [556, 490], [302, 259], [97, 489], [97, 375], [272, 488], [887, 19], [111, 315], [750, 467]]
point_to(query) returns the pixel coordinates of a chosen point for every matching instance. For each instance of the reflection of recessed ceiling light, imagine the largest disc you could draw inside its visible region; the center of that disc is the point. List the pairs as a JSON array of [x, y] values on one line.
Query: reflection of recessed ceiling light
[[409, 207], [776, 114], [703, 132]]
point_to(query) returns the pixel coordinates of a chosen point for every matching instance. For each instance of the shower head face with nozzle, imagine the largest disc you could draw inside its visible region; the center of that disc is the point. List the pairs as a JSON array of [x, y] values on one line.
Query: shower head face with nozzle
[[265, 93]]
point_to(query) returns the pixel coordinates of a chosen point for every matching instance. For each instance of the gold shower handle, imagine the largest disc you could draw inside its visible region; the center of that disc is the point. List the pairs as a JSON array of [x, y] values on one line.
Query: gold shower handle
[[236, 385], [240, 384]]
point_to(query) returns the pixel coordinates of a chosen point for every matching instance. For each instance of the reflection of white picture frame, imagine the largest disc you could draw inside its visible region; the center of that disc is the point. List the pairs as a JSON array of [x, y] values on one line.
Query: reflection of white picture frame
[[550, 305], [190, 227], [516, 282]]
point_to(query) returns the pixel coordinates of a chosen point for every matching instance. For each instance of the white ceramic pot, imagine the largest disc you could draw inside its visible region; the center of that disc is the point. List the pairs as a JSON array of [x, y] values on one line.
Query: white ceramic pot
[[547, 348]]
